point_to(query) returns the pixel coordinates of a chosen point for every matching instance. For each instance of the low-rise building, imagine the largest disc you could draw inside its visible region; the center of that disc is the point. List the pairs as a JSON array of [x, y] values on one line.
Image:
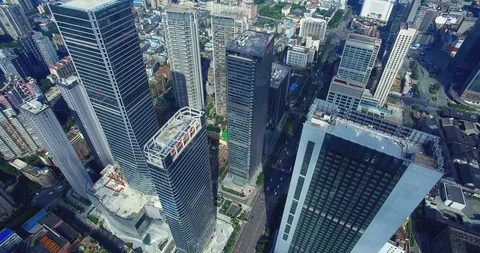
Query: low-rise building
[[127, 211], [9, 241], [6, 209], [452, 196], [299, 57], [45, 177]]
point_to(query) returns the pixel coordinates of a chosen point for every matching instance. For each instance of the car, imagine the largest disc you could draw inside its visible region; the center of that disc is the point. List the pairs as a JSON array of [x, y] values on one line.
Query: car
[[281, 178], [50, 193], [422, 53], [37, 193], [60, 186]]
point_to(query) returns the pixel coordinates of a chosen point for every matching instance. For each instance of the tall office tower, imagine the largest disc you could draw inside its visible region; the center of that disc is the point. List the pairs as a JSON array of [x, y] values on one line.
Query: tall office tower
[[249, 67], [39, 51], [76, 97], [13, 20], [345, 93], [225, 28], [358, 58], [46, 125], [468, 56], [315, 27], [356, 178], [377, 9], [117, 85], [394, 62], [177, 156], [181, 35], [277, 96], [25, 4], [12, 64]]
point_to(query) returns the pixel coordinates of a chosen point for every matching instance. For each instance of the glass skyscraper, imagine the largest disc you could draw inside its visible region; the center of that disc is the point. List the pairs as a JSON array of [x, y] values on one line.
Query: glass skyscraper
[[179, 163], [249, 67], [356, 179], [102, 40]]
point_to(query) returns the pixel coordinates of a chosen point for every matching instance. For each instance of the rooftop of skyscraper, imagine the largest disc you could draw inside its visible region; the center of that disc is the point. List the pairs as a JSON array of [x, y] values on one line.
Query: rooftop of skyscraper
[[174, 135], [250, 43], [34, 106], [363, 38], [86, 5], [279, 73], [116, 196], [392, 139]]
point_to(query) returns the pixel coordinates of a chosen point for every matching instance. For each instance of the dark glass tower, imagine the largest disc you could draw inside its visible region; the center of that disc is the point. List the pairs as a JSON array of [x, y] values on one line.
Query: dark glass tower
[[178, 159], [249, 67], [356, 179], [102, 40]]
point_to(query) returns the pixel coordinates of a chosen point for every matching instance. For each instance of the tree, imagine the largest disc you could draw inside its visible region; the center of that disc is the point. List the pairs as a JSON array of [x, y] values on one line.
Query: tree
[[45, 84], [7, 168]]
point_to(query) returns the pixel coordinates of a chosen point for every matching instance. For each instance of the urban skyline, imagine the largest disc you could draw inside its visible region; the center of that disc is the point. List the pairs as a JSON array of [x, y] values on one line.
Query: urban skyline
[[239, 127]]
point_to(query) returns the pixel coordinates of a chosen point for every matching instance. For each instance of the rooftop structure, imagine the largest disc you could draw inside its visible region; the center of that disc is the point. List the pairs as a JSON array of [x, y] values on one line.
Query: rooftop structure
[[393, 139], [34, 106], [117, 197], [87, 5], [279, 73], [251, 43]]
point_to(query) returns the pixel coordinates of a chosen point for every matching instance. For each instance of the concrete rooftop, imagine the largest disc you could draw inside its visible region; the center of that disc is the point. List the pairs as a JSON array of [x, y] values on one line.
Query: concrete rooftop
[[34, 106], [174, 135], [250, 43], [377, 134], [87, 5]]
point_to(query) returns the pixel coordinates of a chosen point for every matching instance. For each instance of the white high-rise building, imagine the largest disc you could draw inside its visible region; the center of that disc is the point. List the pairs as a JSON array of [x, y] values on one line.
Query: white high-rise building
[[394, 62], [45, 123], [377, 9], [13, 20], [77, 99], [181, 35], [355, 180], [225, 28], [314, 27]]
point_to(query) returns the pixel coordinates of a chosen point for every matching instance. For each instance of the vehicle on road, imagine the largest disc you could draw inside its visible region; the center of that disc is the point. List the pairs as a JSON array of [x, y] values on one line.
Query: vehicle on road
[[50, 193]]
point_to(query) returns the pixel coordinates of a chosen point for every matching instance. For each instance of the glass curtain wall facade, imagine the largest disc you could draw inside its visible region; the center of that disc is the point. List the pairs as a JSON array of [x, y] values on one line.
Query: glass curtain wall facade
[[102, 40], [178, 159], [249, 67], [355, 181]]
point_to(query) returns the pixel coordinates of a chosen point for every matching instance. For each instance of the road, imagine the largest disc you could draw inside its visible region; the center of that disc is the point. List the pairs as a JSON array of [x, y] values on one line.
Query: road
[[43, 198]]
